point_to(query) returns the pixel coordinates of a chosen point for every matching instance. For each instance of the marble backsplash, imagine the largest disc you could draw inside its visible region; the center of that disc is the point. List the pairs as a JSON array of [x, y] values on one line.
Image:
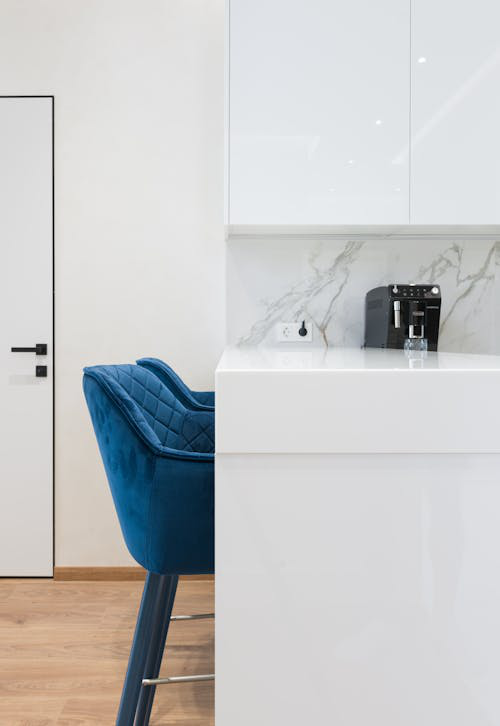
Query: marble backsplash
[[273, 280]]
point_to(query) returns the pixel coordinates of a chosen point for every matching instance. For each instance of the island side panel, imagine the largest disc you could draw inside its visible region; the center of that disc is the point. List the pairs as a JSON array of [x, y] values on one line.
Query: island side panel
[[369, 411], [356, 589]]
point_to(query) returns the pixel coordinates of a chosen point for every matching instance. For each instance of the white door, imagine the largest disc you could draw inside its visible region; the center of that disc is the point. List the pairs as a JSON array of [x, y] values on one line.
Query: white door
[[455, 161], [26, 319], [319, 109]]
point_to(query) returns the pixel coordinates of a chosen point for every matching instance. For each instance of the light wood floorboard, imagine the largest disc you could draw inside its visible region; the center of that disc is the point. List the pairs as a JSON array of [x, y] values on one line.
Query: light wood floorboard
[[64, 648]]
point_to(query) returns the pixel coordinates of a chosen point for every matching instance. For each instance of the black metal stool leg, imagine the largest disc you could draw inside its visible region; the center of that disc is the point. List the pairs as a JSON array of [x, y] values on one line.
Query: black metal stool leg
[[165, 602]]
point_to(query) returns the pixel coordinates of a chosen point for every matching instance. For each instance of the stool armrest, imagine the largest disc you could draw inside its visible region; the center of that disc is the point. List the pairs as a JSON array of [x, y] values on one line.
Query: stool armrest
[[135, 418]]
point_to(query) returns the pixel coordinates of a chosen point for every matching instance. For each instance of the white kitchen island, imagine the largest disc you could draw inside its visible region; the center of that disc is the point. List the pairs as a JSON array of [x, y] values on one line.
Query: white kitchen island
[[357, 539]]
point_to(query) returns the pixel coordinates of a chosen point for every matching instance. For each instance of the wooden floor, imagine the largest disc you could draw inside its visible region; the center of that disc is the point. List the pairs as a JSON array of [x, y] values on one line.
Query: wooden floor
[[64, 648]]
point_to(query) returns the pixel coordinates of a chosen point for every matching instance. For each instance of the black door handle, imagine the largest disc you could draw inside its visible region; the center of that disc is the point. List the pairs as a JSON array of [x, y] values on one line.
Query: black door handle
[[39, 349], [41, 371]]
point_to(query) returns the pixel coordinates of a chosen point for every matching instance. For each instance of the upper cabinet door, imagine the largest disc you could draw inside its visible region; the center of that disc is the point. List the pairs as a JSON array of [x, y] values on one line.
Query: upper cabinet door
[[319, 112], [455, 120]]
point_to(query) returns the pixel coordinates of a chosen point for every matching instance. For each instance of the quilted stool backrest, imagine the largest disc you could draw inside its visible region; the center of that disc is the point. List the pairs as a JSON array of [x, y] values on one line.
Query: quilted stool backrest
[[173, 424]]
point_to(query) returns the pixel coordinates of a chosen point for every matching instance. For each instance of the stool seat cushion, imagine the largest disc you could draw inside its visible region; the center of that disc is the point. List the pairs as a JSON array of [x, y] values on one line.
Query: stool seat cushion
[[158, 457]]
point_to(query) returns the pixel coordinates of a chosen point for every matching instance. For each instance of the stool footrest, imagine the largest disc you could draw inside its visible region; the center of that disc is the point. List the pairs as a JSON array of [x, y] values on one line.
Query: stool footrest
[[201, 616], [177, 679]]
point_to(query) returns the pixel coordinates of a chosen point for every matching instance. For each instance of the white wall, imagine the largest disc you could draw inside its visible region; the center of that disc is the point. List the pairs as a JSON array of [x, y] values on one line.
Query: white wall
[[138, 91]]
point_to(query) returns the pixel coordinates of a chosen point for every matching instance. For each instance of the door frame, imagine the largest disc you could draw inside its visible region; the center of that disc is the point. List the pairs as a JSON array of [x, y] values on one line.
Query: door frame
[[52, 97]]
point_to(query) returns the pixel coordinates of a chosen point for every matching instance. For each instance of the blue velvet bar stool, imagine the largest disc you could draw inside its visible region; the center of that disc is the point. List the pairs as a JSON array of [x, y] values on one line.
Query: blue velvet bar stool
[[158, 457], [196, 400]]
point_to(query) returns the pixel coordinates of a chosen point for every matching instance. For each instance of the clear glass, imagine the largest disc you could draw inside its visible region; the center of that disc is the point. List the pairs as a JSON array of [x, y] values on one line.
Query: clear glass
[[416, 351], [418, 345]]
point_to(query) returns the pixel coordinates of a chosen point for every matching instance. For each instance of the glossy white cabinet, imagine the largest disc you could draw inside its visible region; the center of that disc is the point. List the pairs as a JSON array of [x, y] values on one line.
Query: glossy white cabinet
[[357, 590], [318, 112], [455, 120], [363, 113]]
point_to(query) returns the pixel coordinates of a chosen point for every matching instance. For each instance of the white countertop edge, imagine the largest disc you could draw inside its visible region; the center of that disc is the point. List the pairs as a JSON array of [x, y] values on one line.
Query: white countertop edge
[[246, 360]]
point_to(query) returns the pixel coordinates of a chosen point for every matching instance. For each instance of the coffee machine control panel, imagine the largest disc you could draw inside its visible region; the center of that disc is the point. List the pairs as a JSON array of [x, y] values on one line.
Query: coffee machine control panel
[[415, 291]]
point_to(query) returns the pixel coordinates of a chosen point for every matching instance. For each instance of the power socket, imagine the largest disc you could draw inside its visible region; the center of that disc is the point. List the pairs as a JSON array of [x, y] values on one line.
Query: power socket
[[294, 332]]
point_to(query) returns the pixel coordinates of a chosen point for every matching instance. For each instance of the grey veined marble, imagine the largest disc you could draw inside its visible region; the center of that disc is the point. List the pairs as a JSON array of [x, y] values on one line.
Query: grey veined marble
[[284, 280]]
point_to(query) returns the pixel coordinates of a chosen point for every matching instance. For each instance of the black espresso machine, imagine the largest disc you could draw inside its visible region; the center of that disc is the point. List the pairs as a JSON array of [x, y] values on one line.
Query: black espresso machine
[[396, 315]]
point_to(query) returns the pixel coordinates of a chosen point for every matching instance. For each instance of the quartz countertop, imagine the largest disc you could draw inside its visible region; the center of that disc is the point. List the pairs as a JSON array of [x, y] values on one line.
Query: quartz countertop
[[356, 401], [240, 358]]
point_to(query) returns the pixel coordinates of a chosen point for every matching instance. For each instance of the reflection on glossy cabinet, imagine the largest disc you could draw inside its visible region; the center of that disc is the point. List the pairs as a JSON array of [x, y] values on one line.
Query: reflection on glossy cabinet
[[319, 111], [455, 123]]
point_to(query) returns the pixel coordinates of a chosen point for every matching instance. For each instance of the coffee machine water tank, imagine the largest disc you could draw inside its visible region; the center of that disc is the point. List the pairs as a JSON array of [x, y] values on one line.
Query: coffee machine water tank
[[397, 313]]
